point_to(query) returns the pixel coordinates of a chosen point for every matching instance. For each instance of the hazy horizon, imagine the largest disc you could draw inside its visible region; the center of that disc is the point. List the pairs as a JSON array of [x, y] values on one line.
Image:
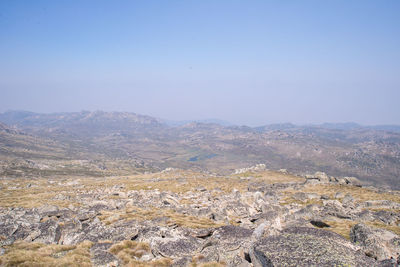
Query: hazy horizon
[[208, 120], [248, 63]]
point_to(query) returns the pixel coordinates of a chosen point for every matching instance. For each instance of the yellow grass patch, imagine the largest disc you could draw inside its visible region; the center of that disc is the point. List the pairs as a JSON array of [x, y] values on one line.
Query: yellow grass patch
[[392, 228], [271, 177], [37, 254], [17, 193], [38, 194], [129, 252], [200, 257], [173, 217], [341, 227]]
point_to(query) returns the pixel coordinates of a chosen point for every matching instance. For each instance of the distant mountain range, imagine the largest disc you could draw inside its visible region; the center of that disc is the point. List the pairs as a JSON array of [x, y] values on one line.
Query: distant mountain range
[[104, 143]]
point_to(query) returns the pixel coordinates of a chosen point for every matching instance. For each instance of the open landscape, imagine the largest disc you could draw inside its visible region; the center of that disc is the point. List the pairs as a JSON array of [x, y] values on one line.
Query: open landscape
[[212, 133], [121, 189], [106, 143]]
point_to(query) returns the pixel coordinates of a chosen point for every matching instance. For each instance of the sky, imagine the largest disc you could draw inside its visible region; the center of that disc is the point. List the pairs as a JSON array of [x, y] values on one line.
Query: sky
[[247, 62]]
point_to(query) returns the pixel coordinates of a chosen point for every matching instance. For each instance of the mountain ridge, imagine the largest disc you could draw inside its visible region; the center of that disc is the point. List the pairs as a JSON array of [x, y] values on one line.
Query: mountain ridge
[[371, 154]]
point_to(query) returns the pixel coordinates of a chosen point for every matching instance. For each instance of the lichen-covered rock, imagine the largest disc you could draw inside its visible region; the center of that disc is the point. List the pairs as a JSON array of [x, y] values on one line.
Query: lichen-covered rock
[[101, 256], [335, 208], [176, 247], [387, 217], [227, 244], [376, 243], [302, 246], [49, 232]]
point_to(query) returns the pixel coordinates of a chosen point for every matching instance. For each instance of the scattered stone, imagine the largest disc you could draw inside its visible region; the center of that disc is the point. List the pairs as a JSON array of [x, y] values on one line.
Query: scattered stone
[[339, 195], [230, 225]]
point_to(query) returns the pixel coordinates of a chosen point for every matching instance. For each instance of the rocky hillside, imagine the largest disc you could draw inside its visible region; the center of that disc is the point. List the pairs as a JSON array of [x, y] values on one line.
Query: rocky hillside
[[29, 156], [255, 217], [369, 153], [82, 124]]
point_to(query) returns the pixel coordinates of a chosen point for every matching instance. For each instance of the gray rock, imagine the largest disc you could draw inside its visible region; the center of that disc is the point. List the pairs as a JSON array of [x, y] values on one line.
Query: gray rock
[[335, 208], [348, 200], [353, 181], [325, 197], [228, 242], [259, 231], [387, 217], [101, 256], [49, 232], [176, 247], [339, 195], [302, 246], [170, 200], [47, 209], [376, 243], [318, 177]]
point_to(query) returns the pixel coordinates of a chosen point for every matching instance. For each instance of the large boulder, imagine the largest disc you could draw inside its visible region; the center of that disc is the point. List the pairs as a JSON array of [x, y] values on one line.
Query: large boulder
[[303, 246], [318, 177], [227, 244], [335, 208], [376, 243], [353, 181]]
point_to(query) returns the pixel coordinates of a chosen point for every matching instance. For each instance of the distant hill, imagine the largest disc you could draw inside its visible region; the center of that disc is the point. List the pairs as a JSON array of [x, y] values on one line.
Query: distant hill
[[84, 123], [390, 128], [173, 123], [138, 142]]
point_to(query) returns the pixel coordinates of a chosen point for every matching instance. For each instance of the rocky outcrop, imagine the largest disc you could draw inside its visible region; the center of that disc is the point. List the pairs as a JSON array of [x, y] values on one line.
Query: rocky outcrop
[[301, 246], [318, 177], [255, 168], [376, 243], [244, 222]]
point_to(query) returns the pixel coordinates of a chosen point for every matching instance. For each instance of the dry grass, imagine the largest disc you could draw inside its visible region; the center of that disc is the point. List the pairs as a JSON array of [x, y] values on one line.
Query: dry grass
[[173, 217], [172, 185], [271, 177], [384, 209], [208, 264], [184, 181], [341, 227], [129, 252], [38, 254], [288, 199], [360, 194], [200, 257], [42, 192], [39, 193], [392, 228]]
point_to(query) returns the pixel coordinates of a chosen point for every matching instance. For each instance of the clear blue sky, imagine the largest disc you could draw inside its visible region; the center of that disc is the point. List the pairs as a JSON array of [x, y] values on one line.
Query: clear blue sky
[[248, 62]]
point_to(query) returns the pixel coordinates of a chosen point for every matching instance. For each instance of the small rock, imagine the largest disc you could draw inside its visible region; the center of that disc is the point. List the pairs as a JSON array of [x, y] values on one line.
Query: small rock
[[348, 200], [339, 195], [259, 231]]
